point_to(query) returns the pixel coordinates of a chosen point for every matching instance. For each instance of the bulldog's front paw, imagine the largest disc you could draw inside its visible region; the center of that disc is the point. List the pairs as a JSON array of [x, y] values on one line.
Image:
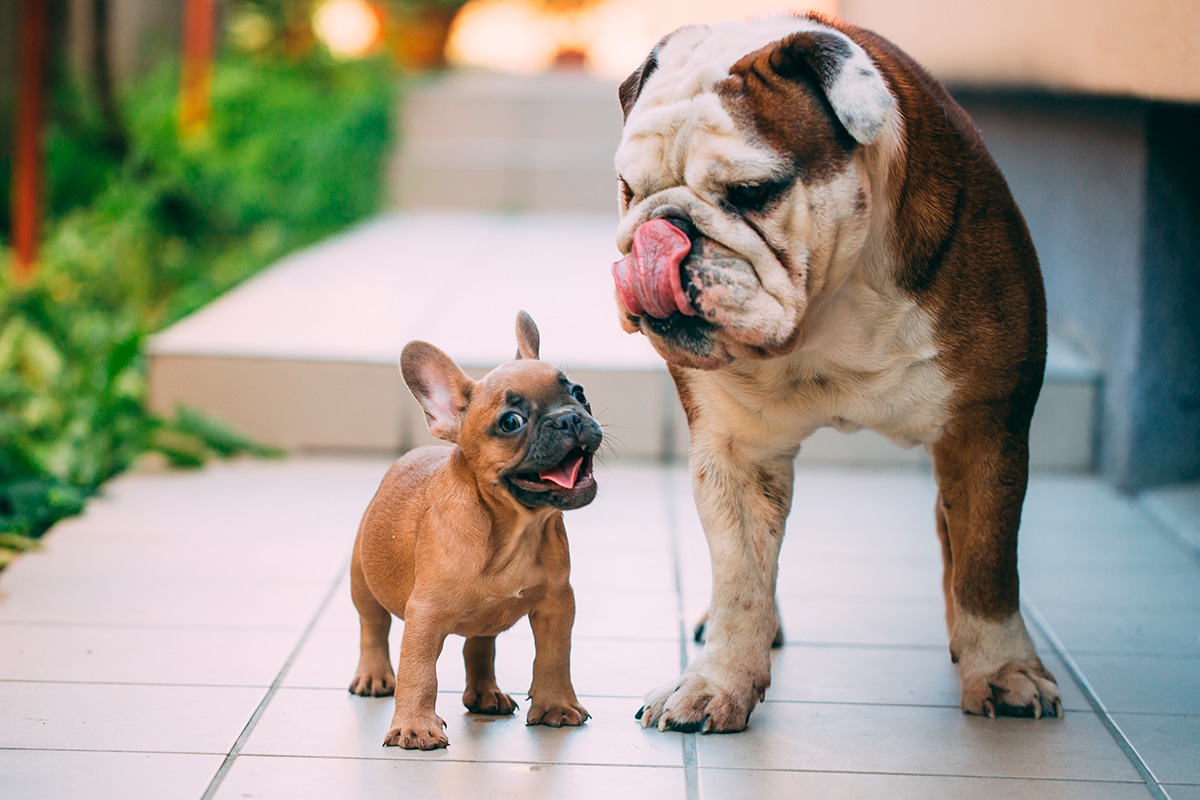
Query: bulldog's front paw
[[1017, 689], [557, 713], [488, 700], [417, 733], [700, 701]]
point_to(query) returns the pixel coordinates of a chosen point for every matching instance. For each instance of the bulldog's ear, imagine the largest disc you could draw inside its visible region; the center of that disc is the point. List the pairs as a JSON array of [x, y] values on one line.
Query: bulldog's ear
[[631, 88], [529, 341], [442, 389], [856, 90]]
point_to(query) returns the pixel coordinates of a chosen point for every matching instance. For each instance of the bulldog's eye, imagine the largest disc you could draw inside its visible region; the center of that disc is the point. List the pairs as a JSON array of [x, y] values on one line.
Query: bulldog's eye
[[754, 196], [626, 192], [580, 397], [511, 422]]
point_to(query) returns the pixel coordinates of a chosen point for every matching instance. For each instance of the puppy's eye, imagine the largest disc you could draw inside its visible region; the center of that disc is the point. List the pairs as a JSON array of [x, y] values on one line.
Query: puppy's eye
[[511, 422], [754, 196], [580, 397]]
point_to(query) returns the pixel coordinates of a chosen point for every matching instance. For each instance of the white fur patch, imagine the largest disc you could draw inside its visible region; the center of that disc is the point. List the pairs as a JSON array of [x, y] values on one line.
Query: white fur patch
[[983, 646]]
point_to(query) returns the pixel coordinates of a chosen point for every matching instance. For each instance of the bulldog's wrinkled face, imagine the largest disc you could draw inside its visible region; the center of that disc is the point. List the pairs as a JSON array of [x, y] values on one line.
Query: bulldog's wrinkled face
[[743, 183]]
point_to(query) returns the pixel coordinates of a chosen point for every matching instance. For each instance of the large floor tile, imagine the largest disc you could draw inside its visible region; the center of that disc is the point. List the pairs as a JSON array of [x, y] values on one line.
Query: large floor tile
[[918, 740], [913, 623], [599, 667], [71, 774], [152, 719], [196, 602], [229, 501], [330, 723], [651, 613], [1166, 743], [860, 577], [130, 557], [1126, 631], [1183, 791], [1145, 685], [717, 784], [96, 654], [884, 676], [324, 778], [1162, 587]]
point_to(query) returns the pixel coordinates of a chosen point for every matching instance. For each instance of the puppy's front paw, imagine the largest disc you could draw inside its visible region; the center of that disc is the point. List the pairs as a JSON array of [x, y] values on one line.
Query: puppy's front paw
[[705, 700], [1017, 689], [557, 713], [488, 700], [373, 679], [419, 733]]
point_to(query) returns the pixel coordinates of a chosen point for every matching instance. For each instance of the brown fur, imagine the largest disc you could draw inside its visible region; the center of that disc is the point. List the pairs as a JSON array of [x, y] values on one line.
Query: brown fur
[[446, 547]]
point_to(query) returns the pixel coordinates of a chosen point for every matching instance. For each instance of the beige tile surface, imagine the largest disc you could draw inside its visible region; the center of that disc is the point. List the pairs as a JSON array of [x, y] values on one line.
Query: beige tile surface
[[74, 774], [335, 724], [143, 654], [803, 785], [289, 778], [918, 740], [124, 717], [138, 644]]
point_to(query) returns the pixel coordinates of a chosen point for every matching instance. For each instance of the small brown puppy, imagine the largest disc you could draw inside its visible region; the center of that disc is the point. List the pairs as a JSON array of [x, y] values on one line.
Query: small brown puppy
[[469, 539]]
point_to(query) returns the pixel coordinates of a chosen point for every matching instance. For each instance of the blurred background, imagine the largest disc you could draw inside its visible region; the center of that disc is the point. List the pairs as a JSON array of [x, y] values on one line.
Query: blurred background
[[157, 153]]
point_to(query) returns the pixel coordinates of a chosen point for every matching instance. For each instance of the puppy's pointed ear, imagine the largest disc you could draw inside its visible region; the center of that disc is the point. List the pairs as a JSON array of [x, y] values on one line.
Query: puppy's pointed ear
[[529, 341], [856, 90], [440, 386]]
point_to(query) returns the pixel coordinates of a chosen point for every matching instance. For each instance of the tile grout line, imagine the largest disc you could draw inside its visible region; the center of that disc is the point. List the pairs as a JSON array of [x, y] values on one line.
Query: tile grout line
[[236, 750], [691, 774], [1135, 758]]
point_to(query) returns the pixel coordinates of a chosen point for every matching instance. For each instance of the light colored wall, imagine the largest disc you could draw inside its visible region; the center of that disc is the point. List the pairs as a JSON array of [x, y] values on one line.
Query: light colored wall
[[1148, 49], [142, 33]]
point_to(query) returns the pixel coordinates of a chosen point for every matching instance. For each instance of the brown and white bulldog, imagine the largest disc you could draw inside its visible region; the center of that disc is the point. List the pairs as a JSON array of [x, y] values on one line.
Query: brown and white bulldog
[[816, 235]]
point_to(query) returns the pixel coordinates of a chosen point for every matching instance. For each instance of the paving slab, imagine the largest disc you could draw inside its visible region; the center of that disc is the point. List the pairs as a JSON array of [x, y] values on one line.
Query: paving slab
[[225, 666]]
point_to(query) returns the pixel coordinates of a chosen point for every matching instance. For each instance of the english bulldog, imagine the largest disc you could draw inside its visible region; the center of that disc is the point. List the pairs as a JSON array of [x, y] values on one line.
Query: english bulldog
[[815, 235]]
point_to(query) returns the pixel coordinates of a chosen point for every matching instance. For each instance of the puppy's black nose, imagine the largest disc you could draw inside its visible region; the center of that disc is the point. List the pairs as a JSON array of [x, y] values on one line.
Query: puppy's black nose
[[568, 421]]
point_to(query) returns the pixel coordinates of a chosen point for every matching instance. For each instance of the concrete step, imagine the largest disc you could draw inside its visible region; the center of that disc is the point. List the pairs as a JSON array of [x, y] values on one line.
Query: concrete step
[[304, 356], [490, 142]]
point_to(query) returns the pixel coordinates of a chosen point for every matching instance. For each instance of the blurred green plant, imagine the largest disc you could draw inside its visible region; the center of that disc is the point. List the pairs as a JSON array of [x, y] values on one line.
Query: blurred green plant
[[295, 151]]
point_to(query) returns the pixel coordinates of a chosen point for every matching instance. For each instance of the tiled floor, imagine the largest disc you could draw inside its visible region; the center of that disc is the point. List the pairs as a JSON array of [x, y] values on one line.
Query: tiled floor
[[192, 636]]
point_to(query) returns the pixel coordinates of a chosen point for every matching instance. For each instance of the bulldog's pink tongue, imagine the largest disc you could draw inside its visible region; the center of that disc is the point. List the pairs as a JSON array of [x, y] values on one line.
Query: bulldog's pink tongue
[[564, 474], [648, 278]]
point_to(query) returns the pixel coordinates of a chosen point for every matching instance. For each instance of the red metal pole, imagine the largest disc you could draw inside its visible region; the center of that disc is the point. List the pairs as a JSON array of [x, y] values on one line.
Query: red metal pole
[[198, 23], [27, 155]]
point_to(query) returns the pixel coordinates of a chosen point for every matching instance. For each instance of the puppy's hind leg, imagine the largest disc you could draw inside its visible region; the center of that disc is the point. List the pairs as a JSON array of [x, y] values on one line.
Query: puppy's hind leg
[[374, 676], [483, 696]]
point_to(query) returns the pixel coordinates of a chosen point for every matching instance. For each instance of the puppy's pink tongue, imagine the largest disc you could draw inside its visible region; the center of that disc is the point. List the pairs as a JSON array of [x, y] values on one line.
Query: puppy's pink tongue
[[564, 474], [648, 278]]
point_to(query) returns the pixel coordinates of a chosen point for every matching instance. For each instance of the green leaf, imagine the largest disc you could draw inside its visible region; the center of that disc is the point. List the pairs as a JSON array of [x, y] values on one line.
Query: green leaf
[[219, 437]]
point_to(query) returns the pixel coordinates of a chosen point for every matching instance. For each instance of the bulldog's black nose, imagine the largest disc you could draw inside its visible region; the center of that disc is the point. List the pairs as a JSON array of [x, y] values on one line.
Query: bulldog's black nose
[[677, 217]]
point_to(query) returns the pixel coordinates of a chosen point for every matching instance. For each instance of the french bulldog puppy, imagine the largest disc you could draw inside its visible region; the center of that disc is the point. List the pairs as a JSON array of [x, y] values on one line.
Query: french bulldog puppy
[[469, 539]]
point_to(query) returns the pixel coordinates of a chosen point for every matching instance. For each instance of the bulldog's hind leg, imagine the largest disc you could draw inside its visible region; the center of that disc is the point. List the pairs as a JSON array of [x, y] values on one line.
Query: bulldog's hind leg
[[374, 677], [743, 503], [482, 695], [982, 471]]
